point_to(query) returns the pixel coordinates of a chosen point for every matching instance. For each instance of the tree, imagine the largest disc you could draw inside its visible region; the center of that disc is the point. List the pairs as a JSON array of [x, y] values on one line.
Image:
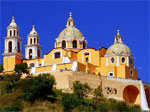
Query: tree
[[1, 68], [81, 90], [21, 68], [38, 87], [98, 100], [69, 102]]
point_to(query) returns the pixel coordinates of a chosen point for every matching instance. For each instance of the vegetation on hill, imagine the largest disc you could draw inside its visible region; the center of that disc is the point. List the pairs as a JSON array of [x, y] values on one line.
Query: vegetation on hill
[[1, 68], [39, 94]]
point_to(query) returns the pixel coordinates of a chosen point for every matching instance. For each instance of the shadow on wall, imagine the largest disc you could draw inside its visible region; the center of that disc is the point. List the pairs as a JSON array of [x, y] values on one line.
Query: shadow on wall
[[130, 94]]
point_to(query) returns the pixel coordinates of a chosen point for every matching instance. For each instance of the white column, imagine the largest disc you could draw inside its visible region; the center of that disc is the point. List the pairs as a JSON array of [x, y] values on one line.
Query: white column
[[13, 44], [66, 44], [118, 61], [78, 44], [127, 61], [106, 61], [5, 45]]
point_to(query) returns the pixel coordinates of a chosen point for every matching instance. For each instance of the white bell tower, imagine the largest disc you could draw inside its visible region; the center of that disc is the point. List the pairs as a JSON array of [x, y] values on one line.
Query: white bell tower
[[33, 49], [13, 50]]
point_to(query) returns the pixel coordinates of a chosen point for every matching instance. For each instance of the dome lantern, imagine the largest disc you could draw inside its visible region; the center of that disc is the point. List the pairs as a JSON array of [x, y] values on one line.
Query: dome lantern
[[70, 21], [118, 37]]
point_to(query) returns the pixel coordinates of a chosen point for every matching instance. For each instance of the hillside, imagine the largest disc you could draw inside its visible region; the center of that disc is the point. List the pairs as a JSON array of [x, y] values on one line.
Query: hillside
[[38, 94]]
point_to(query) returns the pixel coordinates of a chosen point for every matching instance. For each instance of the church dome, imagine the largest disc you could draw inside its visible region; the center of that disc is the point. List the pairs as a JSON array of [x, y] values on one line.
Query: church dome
[[118, 48], [13, 23], [70, 33]]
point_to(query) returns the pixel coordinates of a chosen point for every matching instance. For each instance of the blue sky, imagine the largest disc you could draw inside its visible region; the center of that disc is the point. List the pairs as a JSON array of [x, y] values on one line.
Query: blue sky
[[98, 21]]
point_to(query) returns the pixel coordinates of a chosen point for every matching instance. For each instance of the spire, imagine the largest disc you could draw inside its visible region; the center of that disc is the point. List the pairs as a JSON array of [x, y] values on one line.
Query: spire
[[70, 21], [118, 38]]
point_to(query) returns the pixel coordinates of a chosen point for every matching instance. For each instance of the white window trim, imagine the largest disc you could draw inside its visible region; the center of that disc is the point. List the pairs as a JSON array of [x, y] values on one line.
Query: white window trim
[[112, 73], [125, 60], [114, 60], [53, 54], [106, 61], [132, 72], [89, 56]]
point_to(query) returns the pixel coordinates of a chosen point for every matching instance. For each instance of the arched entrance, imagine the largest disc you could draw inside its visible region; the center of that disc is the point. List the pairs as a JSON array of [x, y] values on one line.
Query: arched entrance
[[130, 93], [147, 92], [10, 46]]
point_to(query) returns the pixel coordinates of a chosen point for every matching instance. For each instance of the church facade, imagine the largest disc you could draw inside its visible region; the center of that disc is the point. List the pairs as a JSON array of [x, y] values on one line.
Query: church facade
[[72, 54]]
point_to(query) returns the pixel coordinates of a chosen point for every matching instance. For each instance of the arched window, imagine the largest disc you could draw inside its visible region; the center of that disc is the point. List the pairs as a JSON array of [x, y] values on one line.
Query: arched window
[[31, 41], [10, 46], [10, 33], [14, 33], [39, 54], [34, 40], [74, 44], [83, 45], [30, 53], [18, 44], [63, 44]]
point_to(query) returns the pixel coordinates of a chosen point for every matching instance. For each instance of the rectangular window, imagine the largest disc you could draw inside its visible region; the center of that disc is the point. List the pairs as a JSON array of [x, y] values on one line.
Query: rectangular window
[[57, 55], [87, 60]]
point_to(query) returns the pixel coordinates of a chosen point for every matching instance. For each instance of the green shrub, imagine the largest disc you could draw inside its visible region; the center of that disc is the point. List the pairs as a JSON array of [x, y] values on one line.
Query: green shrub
[[15, 107], [81, 90], [69, 102], [1, 68], [37, 87], [11, 82]]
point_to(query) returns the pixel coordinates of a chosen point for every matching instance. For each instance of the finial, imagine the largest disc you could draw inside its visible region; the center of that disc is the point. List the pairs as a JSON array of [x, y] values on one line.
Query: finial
[[33, 24], [70, 14], [118, 32]]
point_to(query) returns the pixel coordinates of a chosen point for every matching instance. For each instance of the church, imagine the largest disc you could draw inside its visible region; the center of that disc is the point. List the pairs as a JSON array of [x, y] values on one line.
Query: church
[[71, 59]]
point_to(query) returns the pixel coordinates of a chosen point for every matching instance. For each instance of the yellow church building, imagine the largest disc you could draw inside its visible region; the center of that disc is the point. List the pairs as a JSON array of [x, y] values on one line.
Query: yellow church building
[[71, 55]]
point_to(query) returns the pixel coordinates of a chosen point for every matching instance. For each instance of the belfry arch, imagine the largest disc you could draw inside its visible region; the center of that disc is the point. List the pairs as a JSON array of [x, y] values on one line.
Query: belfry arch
[[130, 94], [30, 53], [10, 46]]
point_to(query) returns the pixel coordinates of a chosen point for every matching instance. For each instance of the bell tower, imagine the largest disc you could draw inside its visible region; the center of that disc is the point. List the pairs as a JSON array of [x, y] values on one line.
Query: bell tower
[[13, 50], [33, 49]]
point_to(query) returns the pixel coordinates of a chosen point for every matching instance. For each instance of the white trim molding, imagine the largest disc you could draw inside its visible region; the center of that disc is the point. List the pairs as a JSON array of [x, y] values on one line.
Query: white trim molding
[[127, 60], [118, 61]]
